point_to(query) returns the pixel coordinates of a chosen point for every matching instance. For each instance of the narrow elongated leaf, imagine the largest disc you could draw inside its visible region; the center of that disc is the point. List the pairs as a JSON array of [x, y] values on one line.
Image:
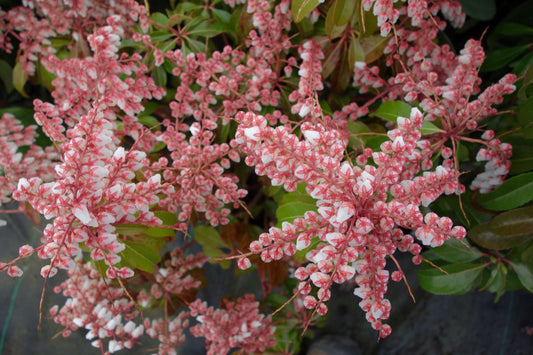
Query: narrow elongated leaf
[[294, 205], [139, 256], [525, 274], [515, 222], [130, 229], [332, 29], [460, 279], [301, 8], [19, 79], [208, 237], [455, 251], [479, 9], [429, 128], [501, 57], [168, 218], [343, 11], [514, 192], [159, 18], [484, 237], [356, 53], [6, 75], [391, 110]]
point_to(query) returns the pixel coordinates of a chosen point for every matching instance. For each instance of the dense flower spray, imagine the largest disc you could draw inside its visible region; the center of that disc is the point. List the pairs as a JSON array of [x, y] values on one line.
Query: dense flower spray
[[154, 129]]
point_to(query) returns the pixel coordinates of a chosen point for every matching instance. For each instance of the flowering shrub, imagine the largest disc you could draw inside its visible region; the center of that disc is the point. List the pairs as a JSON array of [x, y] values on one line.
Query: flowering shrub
[[306, 140]]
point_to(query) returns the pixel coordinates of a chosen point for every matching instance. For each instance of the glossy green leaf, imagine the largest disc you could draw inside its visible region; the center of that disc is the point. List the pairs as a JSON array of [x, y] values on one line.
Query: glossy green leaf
[[149, 121], [332, 29], [527, 255], [429, 128], [6, 75], [301, 8], [501, 57], [159, 18], [130, 229], [356, 141], [332, 55], [525, 274], [460, 279], [168, 218], [209, 237], [514, 222], [374, 143], [496, 282], [514, 192], [19, 79], [373, 47], [391, 110], [484, 237], [511, 29], [479, 9], [343, 11], [221, 15], [140, 256], [160, 232], [356, 53], [293, 205], [207, 29], [160, 76], [528, 80], [456, 251]]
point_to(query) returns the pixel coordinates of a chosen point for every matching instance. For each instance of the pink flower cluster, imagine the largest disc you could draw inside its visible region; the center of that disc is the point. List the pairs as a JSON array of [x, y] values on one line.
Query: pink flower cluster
[[362, 209], [238, 325], [92, 304], [52, 18]]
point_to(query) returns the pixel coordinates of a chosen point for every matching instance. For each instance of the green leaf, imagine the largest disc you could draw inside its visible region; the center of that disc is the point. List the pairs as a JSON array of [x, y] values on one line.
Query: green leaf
[[391, 110], [483, 10], [528, 80], [429, 128], [511, 29], [356, 53], [356, 127], [514, 192], [148, 121], [525, 274], [160, 76], [501, 57], [330, 27], [484, 237], [6, 75], [207, 29], [19, 79], [496, 282], [373, 47], [208, 237], [527, 255], [514, 222], [221, 15], [332, 55], [343, 11], [301, 8], [160, 36], [168, 218], [460, 279], [160, 232], [140, 256], [159, 18], [294, 205], [130, 229], [455, 251], [374, 143]]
